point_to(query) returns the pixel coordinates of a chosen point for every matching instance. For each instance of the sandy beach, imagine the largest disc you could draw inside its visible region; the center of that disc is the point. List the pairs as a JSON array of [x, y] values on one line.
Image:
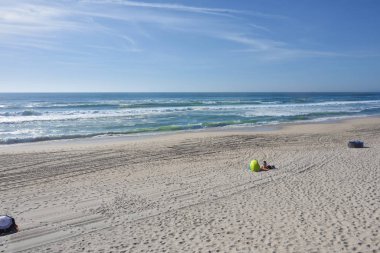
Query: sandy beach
[[193, 192]]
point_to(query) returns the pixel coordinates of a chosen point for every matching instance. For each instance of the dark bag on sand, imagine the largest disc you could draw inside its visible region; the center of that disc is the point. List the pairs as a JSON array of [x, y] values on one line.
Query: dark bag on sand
[[7, 224], [355, 144]]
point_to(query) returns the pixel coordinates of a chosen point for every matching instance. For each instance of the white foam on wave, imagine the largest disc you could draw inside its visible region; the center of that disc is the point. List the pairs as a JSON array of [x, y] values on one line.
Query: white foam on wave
[[251, 110], [93, 114], [19, 132]]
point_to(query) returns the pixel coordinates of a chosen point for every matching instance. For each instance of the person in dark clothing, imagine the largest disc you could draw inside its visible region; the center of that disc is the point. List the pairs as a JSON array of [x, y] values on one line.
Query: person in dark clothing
[[266, 166]]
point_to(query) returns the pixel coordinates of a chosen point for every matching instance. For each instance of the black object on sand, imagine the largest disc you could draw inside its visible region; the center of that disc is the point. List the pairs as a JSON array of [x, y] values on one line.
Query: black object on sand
[[7, 225], [355, 144]]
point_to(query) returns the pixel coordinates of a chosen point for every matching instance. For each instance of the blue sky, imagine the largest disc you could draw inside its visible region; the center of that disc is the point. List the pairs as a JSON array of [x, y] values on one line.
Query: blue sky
[[199, 45]]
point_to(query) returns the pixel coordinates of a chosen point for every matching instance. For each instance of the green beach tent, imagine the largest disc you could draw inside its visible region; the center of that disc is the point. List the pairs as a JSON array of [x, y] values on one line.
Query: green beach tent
[[254, 166]]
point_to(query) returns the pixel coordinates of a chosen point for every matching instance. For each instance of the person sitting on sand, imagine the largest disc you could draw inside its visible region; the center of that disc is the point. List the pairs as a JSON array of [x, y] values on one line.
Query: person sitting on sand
[[266, 166], [7, 225]]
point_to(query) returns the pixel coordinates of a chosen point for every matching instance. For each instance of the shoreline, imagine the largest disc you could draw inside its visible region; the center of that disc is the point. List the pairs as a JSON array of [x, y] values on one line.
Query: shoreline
[[119, 139], [39, 118]]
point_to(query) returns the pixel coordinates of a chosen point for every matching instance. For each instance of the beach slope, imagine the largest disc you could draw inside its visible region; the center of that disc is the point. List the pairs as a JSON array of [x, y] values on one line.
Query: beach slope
[[193, 192]]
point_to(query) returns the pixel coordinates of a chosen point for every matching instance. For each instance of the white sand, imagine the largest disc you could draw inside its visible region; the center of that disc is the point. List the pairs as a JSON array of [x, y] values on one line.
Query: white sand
[[192, 192]]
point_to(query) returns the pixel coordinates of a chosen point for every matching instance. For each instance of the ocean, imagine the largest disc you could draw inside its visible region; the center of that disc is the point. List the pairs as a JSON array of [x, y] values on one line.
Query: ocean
[[30, 117]]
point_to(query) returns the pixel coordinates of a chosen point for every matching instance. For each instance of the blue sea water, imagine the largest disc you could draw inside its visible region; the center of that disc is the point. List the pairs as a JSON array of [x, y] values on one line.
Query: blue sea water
[[27, 117]]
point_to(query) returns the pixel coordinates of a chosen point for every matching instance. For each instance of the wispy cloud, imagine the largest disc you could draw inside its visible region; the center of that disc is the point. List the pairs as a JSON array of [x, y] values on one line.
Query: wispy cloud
[[258, 45], [275, 50], [186, 8], [167, 6], [260, 27], [41, 23], [34, 20]]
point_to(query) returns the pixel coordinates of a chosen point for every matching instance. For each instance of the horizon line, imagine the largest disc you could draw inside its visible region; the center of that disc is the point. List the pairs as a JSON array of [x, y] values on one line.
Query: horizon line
[[50, 92]]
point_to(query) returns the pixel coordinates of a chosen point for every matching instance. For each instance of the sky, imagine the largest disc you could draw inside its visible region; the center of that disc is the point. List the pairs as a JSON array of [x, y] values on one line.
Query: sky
[[189, 46]]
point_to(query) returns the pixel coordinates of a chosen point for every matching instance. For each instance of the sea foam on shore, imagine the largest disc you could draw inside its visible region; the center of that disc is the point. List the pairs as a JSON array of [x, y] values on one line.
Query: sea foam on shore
[[53, 116]]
